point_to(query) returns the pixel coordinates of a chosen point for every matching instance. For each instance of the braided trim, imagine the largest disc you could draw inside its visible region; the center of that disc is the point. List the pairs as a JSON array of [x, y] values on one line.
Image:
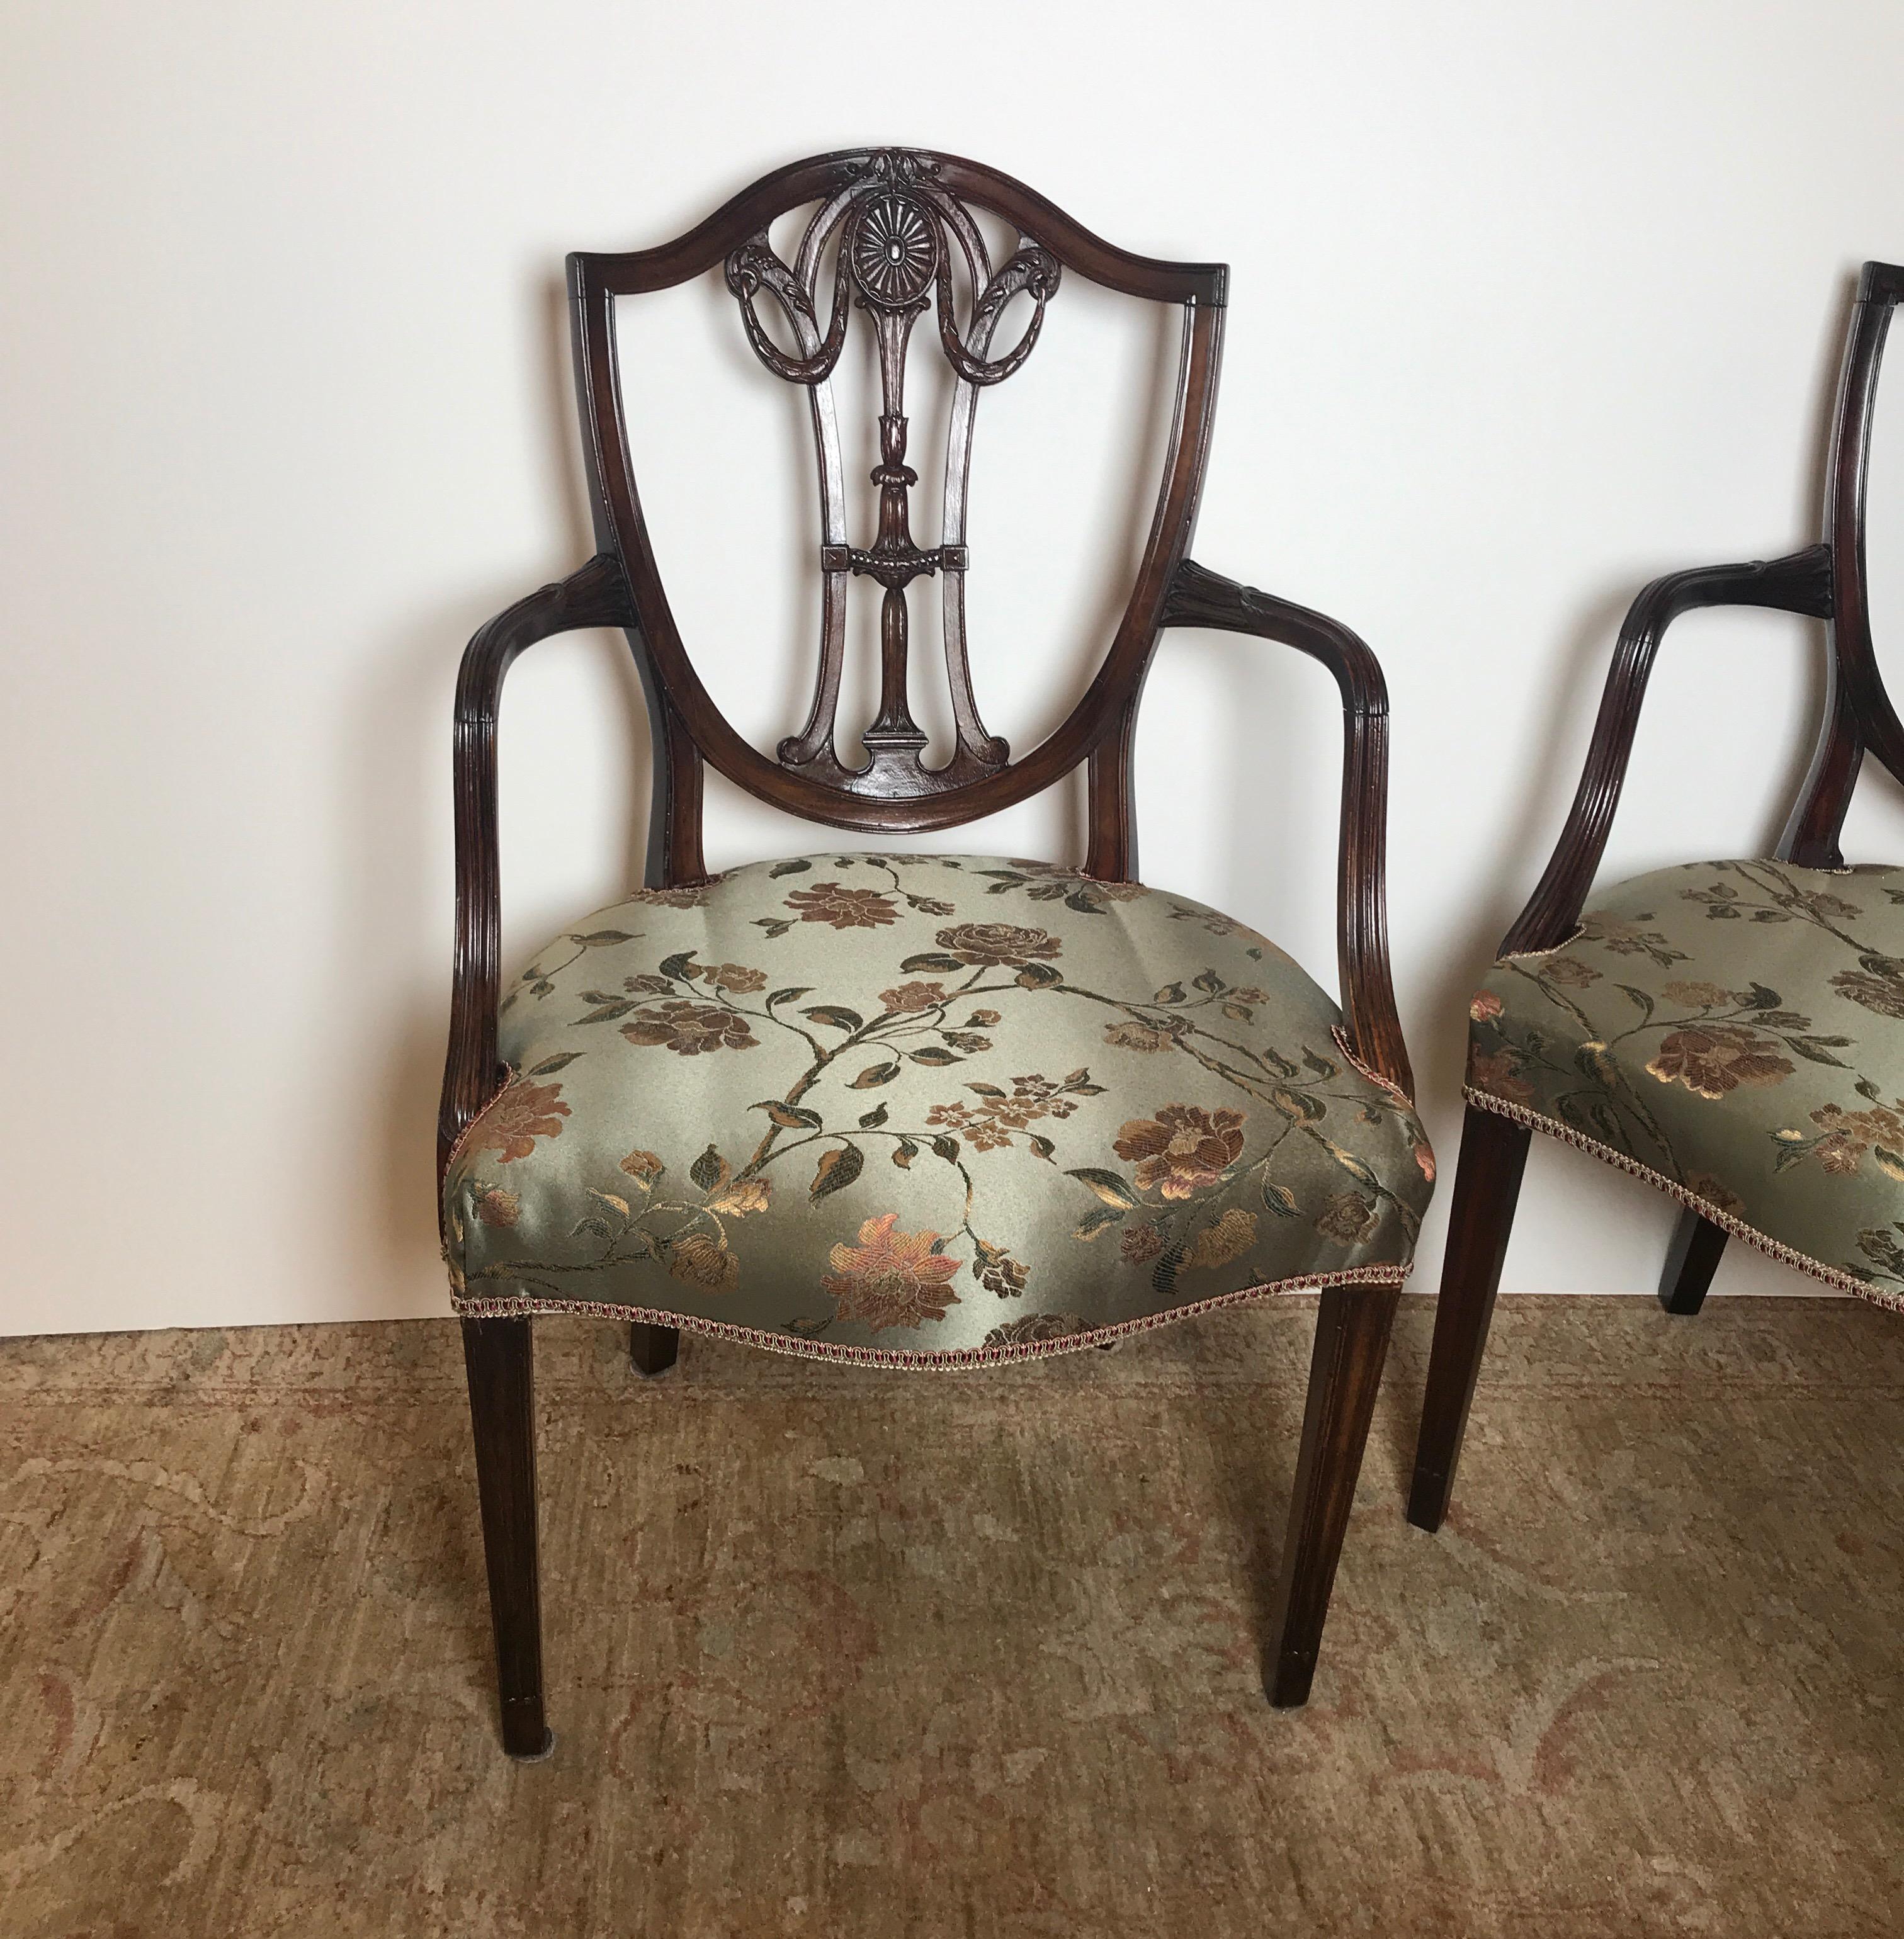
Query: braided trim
[[792, 1344], [1535, 1120]]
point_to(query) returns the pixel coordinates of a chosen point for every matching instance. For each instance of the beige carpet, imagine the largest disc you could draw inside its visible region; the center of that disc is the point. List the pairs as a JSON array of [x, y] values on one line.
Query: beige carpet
[[839, 1653]]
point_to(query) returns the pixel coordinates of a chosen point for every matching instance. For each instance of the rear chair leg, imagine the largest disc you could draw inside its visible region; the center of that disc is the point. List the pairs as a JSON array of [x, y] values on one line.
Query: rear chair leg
[[1351, 1341], [1691, 1260], [498, 1357], [652, 1349], [1487, 1184]]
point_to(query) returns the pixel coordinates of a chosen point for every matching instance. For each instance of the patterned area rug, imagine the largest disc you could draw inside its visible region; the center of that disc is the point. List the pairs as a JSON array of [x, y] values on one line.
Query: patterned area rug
[[837, 1652]]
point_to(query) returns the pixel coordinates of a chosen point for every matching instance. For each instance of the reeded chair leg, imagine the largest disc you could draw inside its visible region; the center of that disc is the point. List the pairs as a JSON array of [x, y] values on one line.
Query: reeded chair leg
[[499, 1358], [1487, 1185], [1351, 1342], [1691, 1260], [652, 1349]]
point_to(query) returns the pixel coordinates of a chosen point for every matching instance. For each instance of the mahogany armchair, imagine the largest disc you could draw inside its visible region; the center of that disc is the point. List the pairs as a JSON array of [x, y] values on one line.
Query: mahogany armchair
[[1728, 1030], [902, 1109]]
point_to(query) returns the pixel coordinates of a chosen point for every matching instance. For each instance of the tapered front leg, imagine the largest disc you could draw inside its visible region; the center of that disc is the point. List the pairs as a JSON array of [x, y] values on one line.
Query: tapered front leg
[[652, 1349], [498, 1356], [1351, 1341], [1486, 1186], [1691, 1260]]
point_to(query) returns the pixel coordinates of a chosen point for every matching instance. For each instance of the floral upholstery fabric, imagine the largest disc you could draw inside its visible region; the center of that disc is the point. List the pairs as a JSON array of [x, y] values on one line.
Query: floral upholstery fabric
[[1734, 1032], [923, 1108]]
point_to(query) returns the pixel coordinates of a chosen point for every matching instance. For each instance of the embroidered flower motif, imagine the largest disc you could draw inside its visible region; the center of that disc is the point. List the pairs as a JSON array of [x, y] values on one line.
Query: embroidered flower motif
[[1713, 1060], [701, 1261], [983, 1019], [1133, 1035], [690, 1029], [843, 907], [740, 1196], [1569, 972], [1228, 1238], [1883, 994], [891, 1278], [642, 1166], [496, 1206], [1703, 1186], [997, 1271], [1141, 1243], [734, 976], [1001, 942], [1183, 1149], [1348, 1217], [524, 1112], [1485, 1007], [1628, 938], [1698, 995], [1424, 1159], [991, 1122], [908, 997], [1031, 1328], [1848, 1135], [1498, 1073]]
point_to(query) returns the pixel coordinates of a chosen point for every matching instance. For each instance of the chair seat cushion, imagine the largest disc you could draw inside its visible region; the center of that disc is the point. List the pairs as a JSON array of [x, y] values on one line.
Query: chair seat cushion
[[931, 1108], [1733, 1031]]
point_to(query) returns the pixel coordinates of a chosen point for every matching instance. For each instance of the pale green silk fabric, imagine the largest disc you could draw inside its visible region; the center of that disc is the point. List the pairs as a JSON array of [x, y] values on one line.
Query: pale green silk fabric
[[1734, 1031], [923, 1108]]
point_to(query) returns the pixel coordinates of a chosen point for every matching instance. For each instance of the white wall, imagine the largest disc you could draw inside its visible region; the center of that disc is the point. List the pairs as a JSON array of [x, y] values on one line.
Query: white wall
[[1530, 303]]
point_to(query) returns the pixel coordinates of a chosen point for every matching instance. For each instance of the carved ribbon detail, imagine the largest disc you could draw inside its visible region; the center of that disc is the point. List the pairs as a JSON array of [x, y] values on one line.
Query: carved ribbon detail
[[896, 230]]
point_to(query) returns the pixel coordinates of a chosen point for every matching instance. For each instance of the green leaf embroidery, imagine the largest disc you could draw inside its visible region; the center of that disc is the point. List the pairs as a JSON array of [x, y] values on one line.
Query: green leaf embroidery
[[836, 1015], [1108, 1186], [838, 1169]]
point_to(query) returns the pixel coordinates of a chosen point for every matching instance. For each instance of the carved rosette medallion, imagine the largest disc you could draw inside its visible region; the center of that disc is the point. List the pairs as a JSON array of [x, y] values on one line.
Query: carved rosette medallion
[[893, 250]]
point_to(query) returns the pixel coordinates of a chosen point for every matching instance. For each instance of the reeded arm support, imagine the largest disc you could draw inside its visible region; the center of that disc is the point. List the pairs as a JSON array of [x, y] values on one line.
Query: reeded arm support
[[1198, 597], [596, 595], [1801, 583]]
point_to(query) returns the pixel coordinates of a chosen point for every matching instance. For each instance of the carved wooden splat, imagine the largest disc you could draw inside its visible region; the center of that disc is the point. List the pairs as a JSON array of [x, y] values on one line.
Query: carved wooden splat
[[897, 228]]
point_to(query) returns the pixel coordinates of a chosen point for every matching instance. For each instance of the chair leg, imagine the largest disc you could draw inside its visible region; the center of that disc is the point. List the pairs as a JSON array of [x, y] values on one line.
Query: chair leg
[[1351, 1341], [652, 1349], [1691, 1260], [499, 1359], [1487, 1184]]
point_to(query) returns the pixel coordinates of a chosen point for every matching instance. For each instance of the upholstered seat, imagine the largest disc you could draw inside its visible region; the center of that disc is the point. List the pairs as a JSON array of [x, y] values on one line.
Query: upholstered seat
[[1733, 1031], [923, 1108]]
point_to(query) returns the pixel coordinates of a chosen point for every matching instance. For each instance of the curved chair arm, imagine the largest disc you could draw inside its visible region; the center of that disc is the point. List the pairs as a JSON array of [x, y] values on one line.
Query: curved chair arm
[[1201, 598], [1801, 584], [597, 595]]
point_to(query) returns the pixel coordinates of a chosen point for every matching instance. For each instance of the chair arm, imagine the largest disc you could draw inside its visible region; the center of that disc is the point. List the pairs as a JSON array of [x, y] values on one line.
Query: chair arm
[[1197, 597], [597, 595], [1801, 584]]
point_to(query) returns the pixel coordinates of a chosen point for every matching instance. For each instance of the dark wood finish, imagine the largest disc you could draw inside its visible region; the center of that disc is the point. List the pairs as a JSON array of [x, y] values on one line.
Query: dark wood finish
[[1200, 598], [1825, 581], [1692, 1259], [894, 236], [652, 1349], [1351, 1342], [499, 1357], [1487, 1185]]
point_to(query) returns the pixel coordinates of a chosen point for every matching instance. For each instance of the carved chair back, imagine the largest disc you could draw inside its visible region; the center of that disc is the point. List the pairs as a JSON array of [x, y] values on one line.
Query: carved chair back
[[1860, 714], [1826, 581], [893, 236]]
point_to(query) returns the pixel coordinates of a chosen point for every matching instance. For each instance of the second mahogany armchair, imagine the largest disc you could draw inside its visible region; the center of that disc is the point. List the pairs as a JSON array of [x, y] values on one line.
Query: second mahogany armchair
[[1731, 1031]]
